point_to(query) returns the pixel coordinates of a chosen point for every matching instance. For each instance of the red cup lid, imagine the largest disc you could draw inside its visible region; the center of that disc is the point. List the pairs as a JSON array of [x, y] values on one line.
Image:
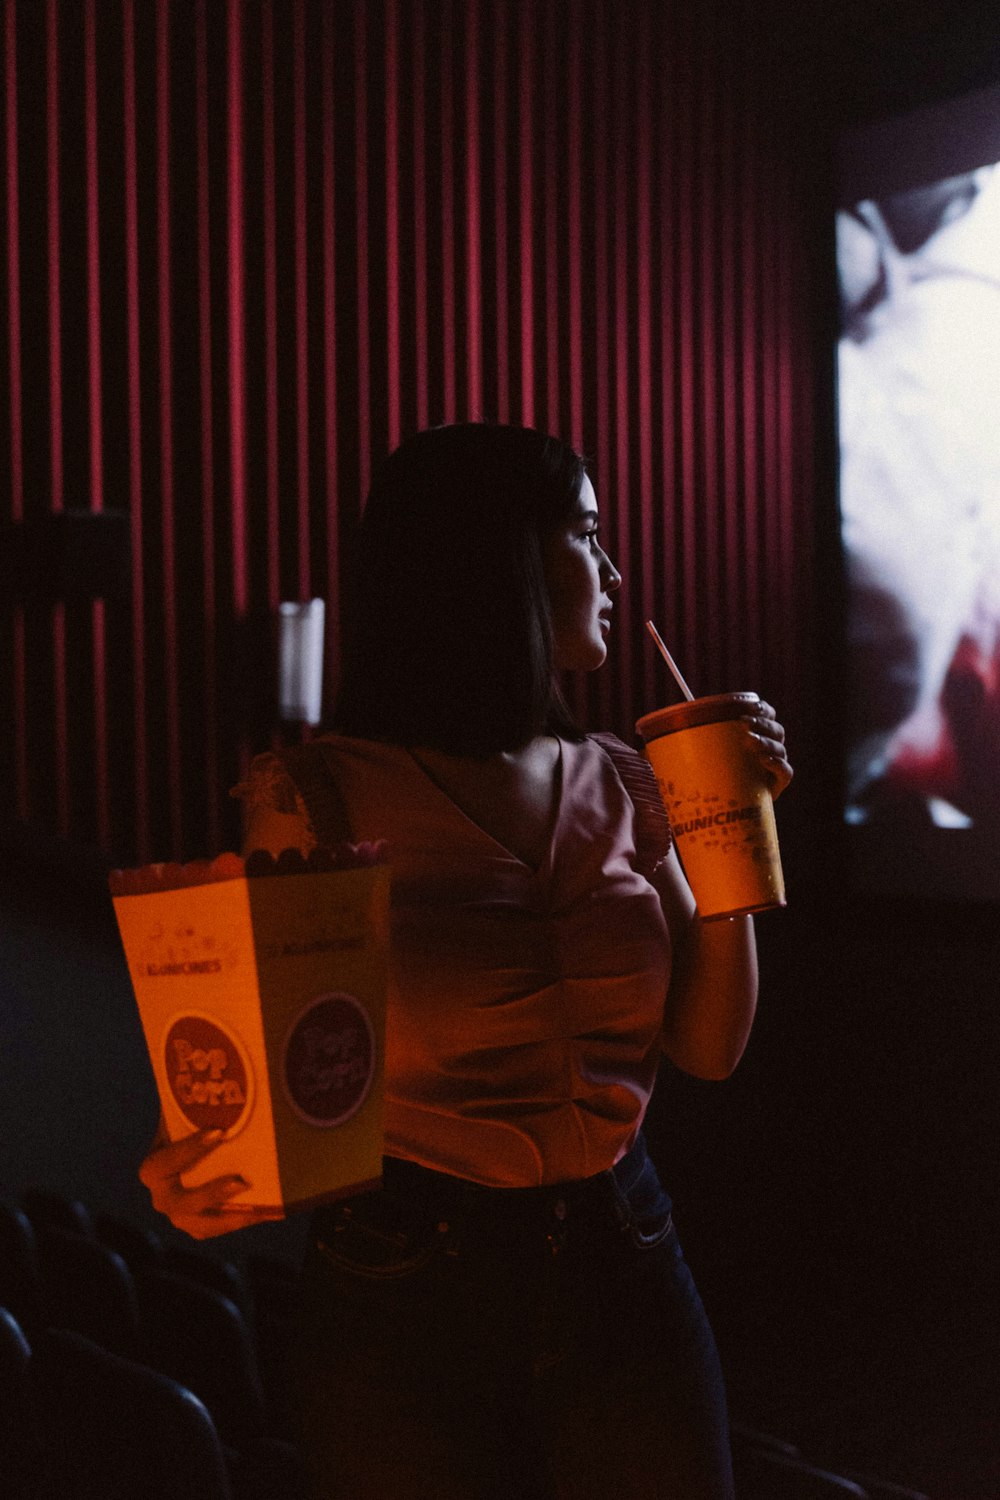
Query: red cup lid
[[689, 715]]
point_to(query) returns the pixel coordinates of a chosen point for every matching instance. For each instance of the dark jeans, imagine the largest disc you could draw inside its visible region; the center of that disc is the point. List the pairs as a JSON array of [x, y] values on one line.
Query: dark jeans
[[462, 1343]]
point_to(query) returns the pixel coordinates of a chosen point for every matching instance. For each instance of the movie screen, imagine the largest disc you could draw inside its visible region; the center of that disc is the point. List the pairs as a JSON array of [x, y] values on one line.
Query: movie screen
[[918, 256]]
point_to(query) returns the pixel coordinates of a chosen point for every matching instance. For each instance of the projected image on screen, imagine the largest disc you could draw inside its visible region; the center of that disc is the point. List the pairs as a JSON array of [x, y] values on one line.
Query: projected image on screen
[[919, 403]]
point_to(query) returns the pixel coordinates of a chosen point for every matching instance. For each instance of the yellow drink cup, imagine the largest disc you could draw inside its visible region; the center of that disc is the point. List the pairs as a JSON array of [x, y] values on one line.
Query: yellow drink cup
[[718, 801]]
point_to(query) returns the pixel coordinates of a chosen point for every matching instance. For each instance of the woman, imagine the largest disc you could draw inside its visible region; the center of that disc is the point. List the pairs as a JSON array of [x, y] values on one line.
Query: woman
[[511, 1315]]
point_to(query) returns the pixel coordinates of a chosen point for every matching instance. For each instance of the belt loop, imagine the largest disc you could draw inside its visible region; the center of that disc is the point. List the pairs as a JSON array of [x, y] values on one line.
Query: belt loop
[[620, 1205]]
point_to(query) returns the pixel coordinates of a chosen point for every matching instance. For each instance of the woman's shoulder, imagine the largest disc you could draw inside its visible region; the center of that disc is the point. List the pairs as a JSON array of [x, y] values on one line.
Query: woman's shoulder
[[273, 775]]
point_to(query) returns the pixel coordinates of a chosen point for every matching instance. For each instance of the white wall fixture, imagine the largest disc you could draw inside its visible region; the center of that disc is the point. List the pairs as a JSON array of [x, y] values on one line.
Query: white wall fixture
[[300, 660]]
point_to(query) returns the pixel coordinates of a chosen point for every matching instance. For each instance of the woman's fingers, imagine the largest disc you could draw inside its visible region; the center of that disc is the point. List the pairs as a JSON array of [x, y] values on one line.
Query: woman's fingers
[[161, 1171], [764, 722], [166, 1162], [211, 1226], [211, 1197], [199, 1211], [780, 774], [767, 736], [203, 1213]]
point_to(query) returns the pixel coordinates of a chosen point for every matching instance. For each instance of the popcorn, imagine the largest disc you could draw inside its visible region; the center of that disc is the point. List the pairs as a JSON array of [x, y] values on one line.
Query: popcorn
[[262, 1000]]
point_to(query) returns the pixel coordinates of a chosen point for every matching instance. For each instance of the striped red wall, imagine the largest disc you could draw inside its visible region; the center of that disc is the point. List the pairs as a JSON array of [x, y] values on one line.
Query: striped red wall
[[250, 244]]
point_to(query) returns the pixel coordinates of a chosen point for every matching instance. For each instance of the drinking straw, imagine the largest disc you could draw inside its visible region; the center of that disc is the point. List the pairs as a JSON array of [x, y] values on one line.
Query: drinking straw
[[669, 661]]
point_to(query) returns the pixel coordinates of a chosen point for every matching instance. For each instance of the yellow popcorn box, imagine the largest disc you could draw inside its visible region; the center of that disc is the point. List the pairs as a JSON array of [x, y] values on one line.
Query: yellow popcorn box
[[261, 987]]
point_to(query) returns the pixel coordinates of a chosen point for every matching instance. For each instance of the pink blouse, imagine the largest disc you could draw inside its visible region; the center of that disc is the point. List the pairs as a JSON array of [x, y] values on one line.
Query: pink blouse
[[525, 1005]]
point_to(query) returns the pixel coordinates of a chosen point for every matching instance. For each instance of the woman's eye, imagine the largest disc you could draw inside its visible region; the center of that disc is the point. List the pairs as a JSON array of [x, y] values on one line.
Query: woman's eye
[[589, 536]]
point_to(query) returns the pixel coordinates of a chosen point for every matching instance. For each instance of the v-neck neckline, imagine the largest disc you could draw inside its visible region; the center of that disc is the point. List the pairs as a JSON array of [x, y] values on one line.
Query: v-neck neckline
[[555, 815]]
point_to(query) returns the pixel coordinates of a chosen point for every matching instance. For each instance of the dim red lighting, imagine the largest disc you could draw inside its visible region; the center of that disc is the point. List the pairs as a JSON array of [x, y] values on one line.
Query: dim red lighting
[[306, 230]]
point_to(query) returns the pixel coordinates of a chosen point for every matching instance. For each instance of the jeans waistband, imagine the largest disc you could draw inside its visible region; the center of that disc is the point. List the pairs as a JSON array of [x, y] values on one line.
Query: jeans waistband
[[599, 1197]]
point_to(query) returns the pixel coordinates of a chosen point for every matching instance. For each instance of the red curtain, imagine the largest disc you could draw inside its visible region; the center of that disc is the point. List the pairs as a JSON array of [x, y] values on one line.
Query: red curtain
[[252, 244]]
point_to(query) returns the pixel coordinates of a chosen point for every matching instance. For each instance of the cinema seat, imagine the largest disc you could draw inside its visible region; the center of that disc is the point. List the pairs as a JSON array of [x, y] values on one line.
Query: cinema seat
[[20, 1282], [221, 1275], [767, 1466], [137, 1247], [20, 1449], [112, 1429], [766, 1474], [45, 1207], [89, 1288], [274, 1290], [200, 1338]]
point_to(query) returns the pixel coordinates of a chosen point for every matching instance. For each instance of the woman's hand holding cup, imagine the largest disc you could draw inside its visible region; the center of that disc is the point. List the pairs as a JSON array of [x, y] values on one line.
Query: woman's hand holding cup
[[199, 1211], [768, 739], [720, 761]]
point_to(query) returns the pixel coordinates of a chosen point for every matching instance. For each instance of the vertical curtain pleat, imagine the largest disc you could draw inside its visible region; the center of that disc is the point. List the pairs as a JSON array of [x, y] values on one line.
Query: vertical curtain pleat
[[362, 247], [731, 563], [473, 228], [552, 228], [250, 246], [420, 215], [302, 390], [447, 329], [330, 582], [703, 357], [573, 170], [666, 435], [526, 155], [18, 643], [236, 228], [392, 224], [140, 809], [501, 137], [601, 310], [60, 706], [169, 600], [623, 391], [646, 554], [96, 423], [206, 389], [750, 218], [573, 278], [270, 304], [684, 549]]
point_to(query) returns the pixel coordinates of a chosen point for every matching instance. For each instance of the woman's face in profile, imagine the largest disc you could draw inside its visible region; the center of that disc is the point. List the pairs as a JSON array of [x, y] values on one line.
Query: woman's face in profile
[[581, 579]]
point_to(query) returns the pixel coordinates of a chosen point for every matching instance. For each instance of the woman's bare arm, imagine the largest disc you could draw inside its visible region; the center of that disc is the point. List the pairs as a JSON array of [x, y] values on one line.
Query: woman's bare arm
[[712, 998], [713, 986]]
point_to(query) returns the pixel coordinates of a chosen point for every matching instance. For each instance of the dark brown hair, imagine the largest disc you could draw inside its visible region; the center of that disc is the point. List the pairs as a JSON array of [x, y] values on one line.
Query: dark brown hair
[[450, 643]]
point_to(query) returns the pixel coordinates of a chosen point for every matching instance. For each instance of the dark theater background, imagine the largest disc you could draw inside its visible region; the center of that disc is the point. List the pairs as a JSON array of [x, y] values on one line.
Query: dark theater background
[[248, 246]]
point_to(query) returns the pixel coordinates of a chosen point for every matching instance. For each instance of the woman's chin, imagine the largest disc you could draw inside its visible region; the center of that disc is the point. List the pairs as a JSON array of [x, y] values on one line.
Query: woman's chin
[[584, 661]]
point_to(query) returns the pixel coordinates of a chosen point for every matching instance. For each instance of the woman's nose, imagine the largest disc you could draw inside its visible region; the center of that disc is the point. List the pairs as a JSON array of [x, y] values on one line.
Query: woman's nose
[[612, 577]]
